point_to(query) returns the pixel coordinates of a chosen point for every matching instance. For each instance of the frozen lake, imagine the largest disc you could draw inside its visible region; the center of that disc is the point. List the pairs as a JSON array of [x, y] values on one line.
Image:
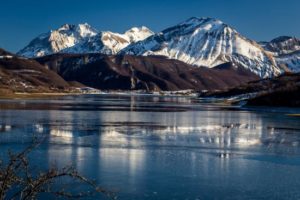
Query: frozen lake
[[147, 147]]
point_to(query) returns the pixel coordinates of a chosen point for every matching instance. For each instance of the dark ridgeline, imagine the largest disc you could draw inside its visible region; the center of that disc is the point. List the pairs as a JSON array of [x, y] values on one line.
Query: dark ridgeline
[[283, 91], [26, 75], [151, 73], [135, 59], [63, 72], [279, 91]]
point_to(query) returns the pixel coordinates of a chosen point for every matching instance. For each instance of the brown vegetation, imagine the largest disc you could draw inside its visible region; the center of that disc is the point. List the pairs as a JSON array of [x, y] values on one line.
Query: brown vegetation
[[288, 97], [280, 91], [143, 73], [24, 75], [17, 180]]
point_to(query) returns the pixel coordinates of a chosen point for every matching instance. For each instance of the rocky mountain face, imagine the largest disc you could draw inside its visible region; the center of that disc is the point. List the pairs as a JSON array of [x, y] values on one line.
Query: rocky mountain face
[[291, 61], [201, 42], [110, 43], [282, 45], [82, 39], [151, 73], [58, 40], [25, 75], [207, 42], [286, 51]]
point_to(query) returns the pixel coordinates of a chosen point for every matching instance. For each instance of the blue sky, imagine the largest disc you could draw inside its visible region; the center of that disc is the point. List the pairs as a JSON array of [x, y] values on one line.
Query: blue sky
[[21, 20]]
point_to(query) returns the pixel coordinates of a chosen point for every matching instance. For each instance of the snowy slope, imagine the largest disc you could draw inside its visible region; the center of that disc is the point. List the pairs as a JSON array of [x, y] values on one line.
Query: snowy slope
[[282, 45], [58, 40], [286, 51], [290, 60], [136, 34], [110, 43], [82, 39], [207, 42]]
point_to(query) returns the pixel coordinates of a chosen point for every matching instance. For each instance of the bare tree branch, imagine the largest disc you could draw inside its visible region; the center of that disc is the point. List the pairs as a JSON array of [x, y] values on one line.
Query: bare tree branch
[[17, 180]]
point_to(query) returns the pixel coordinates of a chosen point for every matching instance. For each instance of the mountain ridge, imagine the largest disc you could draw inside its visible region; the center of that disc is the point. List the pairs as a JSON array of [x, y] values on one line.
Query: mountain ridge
[[18, 74], [82, 38], [150, 73], [206, 42], [286, 51]]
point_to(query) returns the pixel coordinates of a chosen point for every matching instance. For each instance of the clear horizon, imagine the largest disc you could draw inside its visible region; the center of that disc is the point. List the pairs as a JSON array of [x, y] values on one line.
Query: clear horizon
[[258, 20]]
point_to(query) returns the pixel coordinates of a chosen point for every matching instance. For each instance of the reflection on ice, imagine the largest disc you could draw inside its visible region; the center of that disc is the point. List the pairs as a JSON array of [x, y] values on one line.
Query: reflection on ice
[[224, 155], [151, 147], [61, 133], [126, 159], [5, 127], [198, 126], [142, 134], [150, 134], [247, 142], [39, 128]]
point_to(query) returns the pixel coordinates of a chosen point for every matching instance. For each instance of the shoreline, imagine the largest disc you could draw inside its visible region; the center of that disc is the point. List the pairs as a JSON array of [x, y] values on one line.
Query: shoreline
[[287, 111], [20, 95]]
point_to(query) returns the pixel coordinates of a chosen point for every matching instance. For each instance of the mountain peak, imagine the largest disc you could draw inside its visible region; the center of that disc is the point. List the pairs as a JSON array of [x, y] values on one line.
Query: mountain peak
[[85, 30], [136, 34], [281, 39], [206, 42], [83, 38], [286, 51], [205, 22], [58, 40], [138, 29], [66, 27], [200, 20], [197, 41], [196, 25], [282, 45]]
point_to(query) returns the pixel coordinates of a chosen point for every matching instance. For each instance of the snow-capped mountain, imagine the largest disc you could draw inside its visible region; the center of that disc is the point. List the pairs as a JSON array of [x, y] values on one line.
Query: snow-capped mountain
[[282, 45], [291, 61], [197, 41], [207, 42], [136, 34], [110, 43], [286, 51], [57, 40], [82, 39]]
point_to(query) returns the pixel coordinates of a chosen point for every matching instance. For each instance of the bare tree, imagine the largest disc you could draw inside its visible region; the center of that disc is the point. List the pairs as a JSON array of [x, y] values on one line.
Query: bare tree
[[18, 182]]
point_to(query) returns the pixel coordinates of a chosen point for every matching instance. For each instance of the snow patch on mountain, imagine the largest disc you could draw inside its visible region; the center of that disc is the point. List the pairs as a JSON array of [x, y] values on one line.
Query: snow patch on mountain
[[283, 45], [197, 41], [82, 39], [57, 40], [110, 43], [291, 61], [286, 51], [136, 34], [206, 42]]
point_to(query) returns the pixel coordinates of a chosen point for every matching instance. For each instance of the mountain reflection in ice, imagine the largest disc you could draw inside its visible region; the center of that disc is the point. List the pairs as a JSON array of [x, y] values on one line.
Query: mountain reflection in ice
[[110, 129], [140, 135], [141, 121], [152, 147], [161, 147]]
